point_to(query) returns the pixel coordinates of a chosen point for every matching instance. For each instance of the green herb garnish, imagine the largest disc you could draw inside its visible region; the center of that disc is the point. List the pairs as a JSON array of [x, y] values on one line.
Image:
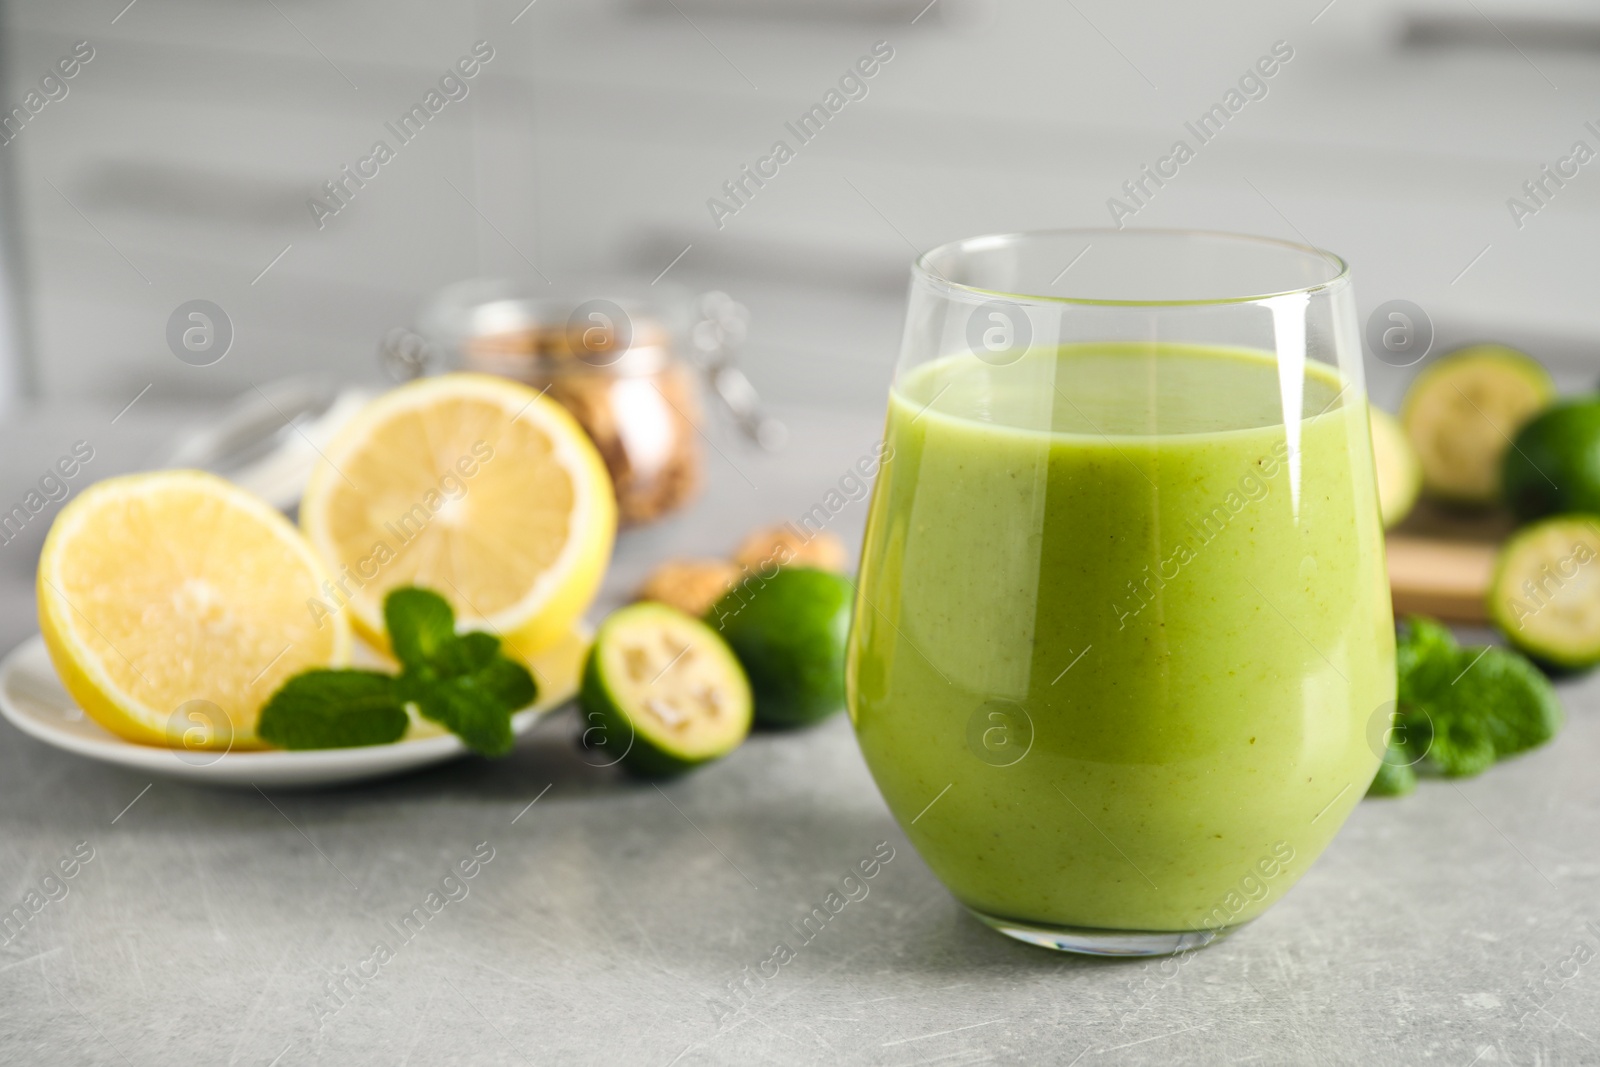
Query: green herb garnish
[[1395, 777], [1464, 708], [334, 709], [463, 682]]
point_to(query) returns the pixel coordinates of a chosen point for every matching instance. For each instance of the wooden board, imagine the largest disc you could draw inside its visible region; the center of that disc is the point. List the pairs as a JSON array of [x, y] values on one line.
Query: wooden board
[[1441, 561], [1446, 579]]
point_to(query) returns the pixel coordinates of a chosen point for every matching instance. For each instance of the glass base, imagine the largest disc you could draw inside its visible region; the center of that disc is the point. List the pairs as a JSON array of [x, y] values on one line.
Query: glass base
[[1090, 941]]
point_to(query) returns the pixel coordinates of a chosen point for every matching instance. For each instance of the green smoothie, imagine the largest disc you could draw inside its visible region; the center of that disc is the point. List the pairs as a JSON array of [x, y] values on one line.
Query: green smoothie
[[1121, 630]]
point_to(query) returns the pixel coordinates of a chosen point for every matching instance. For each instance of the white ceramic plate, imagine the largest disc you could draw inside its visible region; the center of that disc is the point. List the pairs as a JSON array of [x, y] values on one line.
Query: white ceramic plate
[[33, 699]]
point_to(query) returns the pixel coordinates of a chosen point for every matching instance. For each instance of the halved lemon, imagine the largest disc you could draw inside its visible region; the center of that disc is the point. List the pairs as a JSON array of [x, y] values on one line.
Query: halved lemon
[[175, 603], [476, 487]]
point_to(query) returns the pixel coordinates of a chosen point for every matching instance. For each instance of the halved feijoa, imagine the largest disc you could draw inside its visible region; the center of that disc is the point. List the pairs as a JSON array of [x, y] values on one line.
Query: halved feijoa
[[1399, 474], [1462, 412], [1546, 591], [665, 690]]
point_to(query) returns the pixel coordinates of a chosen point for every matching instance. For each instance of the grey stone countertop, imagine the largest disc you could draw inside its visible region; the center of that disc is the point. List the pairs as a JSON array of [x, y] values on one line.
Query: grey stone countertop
[[1456, 926]]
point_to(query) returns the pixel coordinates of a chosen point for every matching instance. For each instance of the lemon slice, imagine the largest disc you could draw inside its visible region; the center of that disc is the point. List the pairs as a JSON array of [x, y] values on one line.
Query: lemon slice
[[475, 487], [174, 604]]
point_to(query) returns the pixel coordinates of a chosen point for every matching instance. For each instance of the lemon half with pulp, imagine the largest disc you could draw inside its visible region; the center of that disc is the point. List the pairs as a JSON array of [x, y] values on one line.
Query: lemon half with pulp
[[174, 604], [476, 487]]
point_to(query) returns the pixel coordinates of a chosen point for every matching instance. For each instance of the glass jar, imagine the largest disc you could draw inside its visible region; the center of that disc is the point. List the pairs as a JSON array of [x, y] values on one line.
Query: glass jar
[[611, 363], [620, 380]]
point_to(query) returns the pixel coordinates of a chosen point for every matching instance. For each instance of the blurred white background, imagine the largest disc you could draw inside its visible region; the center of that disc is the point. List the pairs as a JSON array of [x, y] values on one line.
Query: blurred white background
[[179, 164]]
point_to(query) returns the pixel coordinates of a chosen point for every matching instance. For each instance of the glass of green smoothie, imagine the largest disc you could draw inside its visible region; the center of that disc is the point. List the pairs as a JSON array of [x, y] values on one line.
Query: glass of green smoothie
[[1123, 626]]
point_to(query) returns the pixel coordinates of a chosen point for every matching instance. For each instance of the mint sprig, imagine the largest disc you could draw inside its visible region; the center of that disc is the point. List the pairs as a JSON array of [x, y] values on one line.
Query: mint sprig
[[1464, 707], [461, 681]]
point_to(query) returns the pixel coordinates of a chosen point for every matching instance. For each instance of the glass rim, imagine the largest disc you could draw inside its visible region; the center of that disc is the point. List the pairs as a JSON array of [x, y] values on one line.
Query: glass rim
[[922, 268]]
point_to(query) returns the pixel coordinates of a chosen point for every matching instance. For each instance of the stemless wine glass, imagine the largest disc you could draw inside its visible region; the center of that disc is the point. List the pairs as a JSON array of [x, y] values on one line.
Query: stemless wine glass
[[1123, 628]]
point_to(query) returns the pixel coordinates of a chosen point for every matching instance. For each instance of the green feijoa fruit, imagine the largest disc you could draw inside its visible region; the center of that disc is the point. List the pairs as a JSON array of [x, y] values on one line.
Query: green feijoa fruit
[[1545, 593], [1399, 473], [1461, 411], [1554, 467], [789, 631], [664, 690]]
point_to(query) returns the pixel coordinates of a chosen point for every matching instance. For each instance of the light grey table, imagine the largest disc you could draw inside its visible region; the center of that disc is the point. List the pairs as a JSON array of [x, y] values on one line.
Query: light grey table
[[1449, 927]]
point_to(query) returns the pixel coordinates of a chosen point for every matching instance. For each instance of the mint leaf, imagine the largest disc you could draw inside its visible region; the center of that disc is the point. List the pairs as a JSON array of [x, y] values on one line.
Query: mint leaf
[[464, 683], [333, 709], [1419, 631], [467, 709], [1425, 660], [421, 625], [1519, 705], [467, 654], [1395, 776], [477, 704], [1467, 707], [508, 682], [1461, 746]]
